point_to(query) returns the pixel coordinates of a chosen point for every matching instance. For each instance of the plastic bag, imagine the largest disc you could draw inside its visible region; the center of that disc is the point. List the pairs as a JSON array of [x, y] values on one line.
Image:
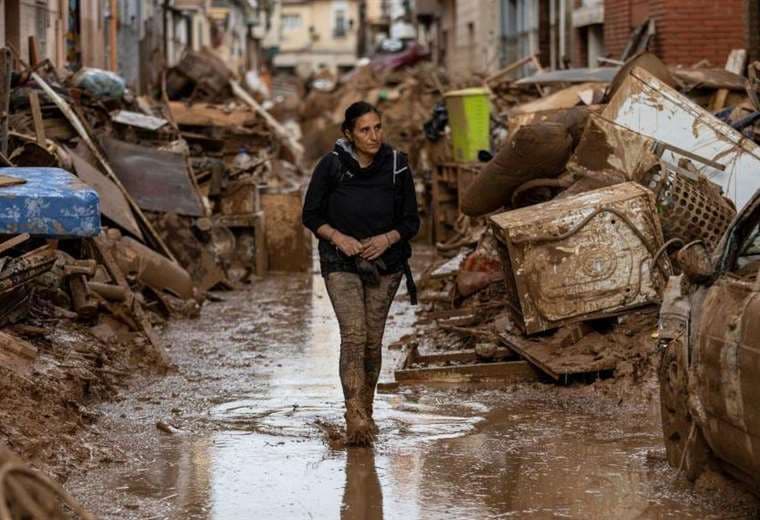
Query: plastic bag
[[100, 83]]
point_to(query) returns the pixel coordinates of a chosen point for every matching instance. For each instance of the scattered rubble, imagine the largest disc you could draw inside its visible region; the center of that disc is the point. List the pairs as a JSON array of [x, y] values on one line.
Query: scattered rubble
[[557, 249], [121, 213]]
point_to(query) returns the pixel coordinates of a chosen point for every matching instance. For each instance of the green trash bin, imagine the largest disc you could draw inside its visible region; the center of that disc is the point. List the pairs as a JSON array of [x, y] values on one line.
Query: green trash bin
[[470, 121]]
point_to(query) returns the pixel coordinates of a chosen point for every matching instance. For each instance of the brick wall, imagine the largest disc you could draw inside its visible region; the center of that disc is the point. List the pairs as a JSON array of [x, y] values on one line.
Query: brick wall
[[687, 30]]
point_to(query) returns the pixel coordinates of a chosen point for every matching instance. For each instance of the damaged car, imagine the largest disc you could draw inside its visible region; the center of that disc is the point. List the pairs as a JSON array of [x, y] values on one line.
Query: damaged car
[[710, 368]]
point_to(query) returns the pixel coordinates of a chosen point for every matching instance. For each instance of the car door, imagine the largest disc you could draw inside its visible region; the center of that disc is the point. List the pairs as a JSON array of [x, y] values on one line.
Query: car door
[[726, 361]]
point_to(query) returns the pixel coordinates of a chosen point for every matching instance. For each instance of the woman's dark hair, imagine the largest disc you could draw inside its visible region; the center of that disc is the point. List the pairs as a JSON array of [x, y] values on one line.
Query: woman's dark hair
[[354, 112]]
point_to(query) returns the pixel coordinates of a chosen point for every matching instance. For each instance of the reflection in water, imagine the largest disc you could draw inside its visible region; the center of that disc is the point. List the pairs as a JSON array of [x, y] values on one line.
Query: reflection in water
[[363, 496]]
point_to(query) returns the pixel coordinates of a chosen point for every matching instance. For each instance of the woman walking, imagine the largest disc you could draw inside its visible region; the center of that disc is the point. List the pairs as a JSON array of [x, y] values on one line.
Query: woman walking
[[361, 206]]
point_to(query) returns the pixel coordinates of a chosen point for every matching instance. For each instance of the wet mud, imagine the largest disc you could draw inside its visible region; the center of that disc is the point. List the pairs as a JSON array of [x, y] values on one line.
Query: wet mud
[[255, 412]]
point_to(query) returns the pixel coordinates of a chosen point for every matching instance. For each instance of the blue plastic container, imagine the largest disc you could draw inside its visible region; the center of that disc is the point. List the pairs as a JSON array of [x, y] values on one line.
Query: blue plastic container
[[52, 203]]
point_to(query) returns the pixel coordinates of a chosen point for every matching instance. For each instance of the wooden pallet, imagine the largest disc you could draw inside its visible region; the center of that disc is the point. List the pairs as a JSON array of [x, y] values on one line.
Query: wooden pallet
[[464, 367]]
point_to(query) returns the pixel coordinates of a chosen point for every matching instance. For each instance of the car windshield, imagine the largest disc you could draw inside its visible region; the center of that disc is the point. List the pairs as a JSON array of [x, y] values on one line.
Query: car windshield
[[748, 261], [752, 245]]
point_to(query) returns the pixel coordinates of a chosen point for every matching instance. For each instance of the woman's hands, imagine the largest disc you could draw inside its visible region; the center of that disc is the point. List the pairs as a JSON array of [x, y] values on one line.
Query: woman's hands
[[349, 246], [375, 246], [370, 248]]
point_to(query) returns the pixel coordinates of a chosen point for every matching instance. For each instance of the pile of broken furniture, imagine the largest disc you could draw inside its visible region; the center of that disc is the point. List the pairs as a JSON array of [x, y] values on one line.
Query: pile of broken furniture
[[176, 182], [569, 231]]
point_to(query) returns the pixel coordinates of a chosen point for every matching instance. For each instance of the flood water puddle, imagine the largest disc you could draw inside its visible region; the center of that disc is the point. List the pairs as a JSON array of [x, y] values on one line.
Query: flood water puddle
[[526, 452]]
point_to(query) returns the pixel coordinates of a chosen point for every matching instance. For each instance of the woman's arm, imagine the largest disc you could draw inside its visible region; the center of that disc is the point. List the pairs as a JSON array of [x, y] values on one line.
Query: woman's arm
[[314, 214]]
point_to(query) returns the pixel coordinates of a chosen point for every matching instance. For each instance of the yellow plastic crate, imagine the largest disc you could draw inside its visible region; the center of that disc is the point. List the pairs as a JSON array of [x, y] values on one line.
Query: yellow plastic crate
[[470, 122]]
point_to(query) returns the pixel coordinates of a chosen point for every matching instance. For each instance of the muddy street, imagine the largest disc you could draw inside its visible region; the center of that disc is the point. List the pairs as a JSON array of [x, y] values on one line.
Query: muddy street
[[568, 194], [249, 429]]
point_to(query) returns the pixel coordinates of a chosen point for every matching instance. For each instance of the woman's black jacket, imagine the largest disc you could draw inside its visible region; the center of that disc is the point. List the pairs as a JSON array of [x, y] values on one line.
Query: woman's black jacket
[[361, 203]]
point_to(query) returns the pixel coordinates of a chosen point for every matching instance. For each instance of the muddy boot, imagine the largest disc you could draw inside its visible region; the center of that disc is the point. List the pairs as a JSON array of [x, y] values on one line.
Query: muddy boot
[[368, 397], [358, 426]]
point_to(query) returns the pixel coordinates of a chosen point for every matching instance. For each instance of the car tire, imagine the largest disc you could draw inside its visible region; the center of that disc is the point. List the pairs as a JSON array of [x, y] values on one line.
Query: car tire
[[685, 444]]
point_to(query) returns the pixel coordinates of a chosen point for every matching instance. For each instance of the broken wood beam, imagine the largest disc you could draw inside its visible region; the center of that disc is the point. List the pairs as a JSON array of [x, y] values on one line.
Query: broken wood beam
[[509, 68], [5, 161], [108, 291], [543, 354], [13, 242], [462, 357], [39, 126], [470, 331], [294, 146], [460, 312], [507, 372], [80, 267], [135, 306], [735, 63], [34, 52], [82, 301]]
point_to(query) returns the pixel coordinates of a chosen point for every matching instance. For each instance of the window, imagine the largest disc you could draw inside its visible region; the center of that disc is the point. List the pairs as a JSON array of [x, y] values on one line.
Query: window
[[340, 28], [291, 22]]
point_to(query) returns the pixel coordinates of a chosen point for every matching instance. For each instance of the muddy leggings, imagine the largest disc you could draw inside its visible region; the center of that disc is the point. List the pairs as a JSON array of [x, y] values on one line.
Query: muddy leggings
[[361, 311]]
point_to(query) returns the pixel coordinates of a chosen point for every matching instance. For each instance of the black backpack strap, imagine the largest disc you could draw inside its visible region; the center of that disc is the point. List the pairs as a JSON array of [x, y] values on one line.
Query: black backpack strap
[[397, 166], [339, 173]]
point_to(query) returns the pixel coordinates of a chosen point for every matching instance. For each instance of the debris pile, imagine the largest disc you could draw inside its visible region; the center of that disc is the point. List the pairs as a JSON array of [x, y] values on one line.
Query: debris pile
[[119, 213], [561, 243], [405, 97]]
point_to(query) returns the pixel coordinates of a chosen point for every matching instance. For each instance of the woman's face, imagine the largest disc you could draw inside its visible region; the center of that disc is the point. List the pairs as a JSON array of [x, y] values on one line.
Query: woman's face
[[367, 135]]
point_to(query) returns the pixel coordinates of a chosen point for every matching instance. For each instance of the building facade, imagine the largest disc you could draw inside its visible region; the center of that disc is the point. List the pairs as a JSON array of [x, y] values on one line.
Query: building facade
[[316, 34], [480, 36], [135, 38]]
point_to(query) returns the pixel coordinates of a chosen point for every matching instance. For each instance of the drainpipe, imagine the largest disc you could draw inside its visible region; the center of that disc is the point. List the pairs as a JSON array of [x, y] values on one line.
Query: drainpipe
[[113, 22], [166, 31], [562, 30]]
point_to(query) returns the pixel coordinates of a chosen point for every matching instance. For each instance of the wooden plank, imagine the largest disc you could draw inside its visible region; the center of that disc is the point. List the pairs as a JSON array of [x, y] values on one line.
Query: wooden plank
[[13, 242], [558, 362], [735, 63], [39, 126], [8, 180], [205, 114], [5, 161], [34, 52], [296, 149], [507, 372], [6, 65], [472, 332], [134, 305], [465, 357], [509, 68], [463, 311]]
